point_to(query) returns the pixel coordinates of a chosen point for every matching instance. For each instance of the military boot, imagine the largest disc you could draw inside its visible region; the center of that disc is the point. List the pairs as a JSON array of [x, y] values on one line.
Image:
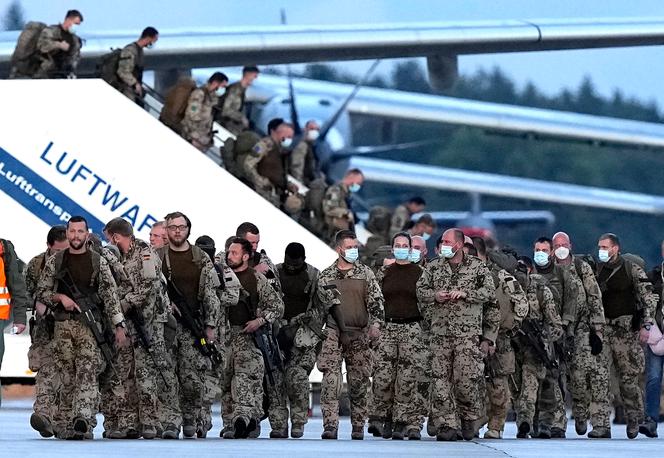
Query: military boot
[[329, 433], [414, 434], [632, 428], [149, 432], [543, 433], [297, 430], [240, 428], [387, 430], [619, 416], [132, 433], [557, 433], [189, 430], [254, 429], [41, 424], [279, 433], [581, 426], [375, 428], [648, 428], [80, 428], [170, 432], [116, 434], [468, 430], [492, 434], [358, 433], [399, 431], [600, 433], [431, 428], [524, 429], [447, 434]]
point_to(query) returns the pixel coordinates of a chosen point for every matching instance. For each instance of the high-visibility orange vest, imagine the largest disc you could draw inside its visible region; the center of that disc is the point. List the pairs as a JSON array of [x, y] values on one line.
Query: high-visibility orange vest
[[5, 297]]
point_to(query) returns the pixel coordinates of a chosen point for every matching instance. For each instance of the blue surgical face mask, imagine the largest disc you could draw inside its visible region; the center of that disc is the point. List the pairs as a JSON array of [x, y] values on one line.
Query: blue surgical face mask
[[73, 28], [401, 254], [354, 187], [415, 255], [541, 258], [447, 252], [426, 236], [286, 142], [351, 255], [220, 91], [603, 255]]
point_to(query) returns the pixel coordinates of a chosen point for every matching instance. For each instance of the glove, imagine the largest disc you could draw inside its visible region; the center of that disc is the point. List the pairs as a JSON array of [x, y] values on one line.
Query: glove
[[596, 344]]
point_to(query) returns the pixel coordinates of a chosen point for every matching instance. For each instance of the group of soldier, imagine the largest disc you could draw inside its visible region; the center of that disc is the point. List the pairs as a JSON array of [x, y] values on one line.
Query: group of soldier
[[150, 334]]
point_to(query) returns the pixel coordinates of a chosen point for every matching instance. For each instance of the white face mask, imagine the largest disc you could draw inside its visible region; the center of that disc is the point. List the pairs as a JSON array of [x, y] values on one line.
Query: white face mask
[[603, 255], [447, 251], [286, 142], [313, 135], [73, 28], [541, 258], [561, 252]]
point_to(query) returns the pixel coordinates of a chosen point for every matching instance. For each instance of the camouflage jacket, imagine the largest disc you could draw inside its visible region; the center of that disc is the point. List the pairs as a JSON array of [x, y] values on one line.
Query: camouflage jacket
[[589, 309], [400, 218], [542, 306], [198, 117], [475, 315], [32, 273], [142, 288], [53, 59], [373, 299], [335, 203], [207, 284], [564, 290], [102, 279], [233, 103], [510, 297], [259, 152], [270, 306], [130, 65]]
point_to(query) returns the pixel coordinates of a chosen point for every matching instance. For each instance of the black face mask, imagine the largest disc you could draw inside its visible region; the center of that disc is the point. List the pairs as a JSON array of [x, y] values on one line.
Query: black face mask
[[293, 269]]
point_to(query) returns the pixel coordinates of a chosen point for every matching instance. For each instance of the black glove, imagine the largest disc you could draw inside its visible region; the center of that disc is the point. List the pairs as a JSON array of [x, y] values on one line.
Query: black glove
[[596, 344]]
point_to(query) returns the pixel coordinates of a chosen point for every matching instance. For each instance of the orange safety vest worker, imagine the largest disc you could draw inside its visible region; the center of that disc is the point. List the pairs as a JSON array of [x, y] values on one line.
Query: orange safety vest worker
[[5, 297]]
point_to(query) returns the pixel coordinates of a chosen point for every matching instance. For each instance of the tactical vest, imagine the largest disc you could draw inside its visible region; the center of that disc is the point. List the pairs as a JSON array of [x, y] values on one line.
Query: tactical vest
[[245, 310], [297, 290], [96, 261], [353, 307], [272, 168], [5, 296]]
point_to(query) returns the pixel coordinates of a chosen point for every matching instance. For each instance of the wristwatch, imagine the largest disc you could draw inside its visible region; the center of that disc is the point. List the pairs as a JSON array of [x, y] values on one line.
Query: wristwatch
[[647, 326]]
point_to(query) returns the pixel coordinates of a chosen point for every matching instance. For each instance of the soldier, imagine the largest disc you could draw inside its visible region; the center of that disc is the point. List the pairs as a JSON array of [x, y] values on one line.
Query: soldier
[[402, 215], [544, 316], [419, 251], [266, 168], [589, 372], [259, 306], [550, 416], [300, 333], [629, 308], [259, 260], [230, 111], [353, 319], [77, 356], [336, 204], [59, 48], [47, 381], [130, 65], [400, 357], [139, 296], [158, 236], [303, 164], [229, 293], [454, 291], [423, 227], [192, 289], [196, 126], [513, 306]]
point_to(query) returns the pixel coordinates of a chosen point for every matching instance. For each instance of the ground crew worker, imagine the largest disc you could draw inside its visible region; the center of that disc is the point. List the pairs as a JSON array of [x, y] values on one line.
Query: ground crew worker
[[131, 65], [354, 319], [196, 126], [230, 112]]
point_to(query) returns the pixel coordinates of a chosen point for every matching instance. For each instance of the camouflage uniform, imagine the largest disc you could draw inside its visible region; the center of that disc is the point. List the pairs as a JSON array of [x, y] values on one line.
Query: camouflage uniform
[[77, 357], [47, 379], [336, 209], [513, 306], [54, 62], [190, 364], [456, 327], [244, 369], [542, 308], [130, 70], [400, 218], [621, 342], [589, 375], [303, 164], [198, 119], [266, 157], [232, 109], [164, 329], [358, 357], [400, 361]]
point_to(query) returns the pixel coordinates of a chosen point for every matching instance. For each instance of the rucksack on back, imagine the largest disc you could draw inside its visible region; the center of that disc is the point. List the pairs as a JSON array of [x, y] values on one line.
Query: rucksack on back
[[175, 103], [107, 68], [26, 57]]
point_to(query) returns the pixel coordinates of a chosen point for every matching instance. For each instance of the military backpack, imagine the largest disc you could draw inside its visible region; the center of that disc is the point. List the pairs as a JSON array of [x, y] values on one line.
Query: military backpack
[[26, 55]]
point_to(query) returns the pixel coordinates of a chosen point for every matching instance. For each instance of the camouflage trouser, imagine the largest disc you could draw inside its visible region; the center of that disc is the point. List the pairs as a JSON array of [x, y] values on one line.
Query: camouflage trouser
[[213, 384], [589, 383], [168, 391], [47, 379], [242, 394], [298, 369], [498, 389], [398, 367], [358, 366], [621, 346], [191, 366], [551, 402], [78, 362], [457, 372], [533, 376]]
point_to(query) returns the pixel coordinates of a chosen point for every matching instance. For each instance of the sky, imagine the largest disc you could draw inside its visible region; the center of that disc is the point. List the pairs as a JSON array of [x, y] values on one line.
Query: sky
[[635, 71]]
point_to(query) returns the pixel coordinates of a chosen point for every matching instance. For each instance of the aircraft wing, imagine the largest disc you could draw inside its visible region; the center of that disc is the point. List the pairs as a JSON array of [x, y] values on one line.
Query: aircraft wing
[[489, 116], [229, 46], [447, 179]]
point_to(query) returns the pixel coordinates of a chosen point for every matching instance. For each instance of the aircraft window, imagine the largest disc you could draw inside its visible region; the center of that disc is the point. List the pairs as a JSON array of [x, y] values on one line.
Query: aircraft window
[[324, 102]]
